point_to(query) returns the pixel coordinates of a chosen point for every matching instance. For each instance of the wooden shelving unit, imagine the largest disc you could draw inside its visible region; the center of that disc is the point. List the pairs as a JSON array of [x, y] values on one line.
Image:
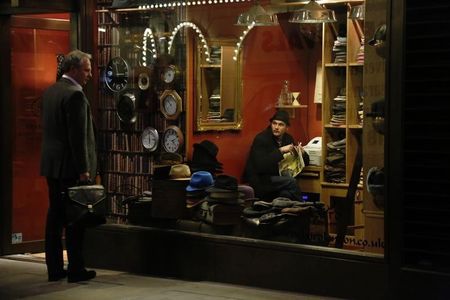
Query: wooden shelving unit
[[342, 119]]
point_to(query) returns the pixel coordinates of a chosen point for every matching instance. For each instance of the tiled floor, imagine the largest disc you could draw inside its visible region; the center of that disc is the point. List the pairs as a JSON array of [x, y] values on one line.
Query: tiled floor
[[24, 277]]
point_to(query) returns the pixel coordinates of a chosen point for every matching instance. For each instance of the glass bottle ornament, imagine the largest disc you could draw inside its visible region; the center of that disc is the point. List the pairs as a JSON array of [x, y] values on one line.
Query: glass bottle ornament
[[285, 97]]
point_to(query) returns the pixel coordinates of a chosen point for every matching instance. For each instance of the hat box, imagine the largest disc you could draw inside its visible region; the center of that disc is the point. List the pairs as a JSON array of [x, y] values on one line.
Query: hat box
[[169, 198]]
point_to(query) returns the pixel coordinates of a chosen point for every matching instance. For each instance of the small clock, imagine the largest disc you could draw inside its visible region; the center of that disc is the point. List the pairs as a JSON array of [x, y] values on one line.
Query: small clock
[[126, 108], [116, 74], [142, 77], [173, 139], [169, 74], [150, 139], [170, 104]]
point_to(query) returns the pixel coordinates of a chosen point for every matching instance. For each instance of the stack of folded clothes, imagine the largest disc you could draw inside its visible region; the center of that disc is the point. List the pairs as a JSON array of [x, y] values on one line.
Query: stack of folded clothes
[[334, 170], [340, 49], [360, 53], [338, 110]]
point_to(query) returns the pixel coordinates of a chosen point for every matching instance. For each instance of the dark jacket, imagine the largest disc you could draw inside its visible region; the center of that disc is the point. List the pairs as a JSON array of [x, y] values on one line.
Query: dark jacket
[[262, 162], [68, 144]]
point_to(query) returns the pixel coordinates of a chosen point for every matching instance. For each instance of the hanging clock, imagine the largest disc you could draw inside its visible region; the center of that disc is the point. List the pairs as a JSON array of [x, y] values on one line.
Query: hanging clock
[[116, 74], [170, 104], [126, 108], [150, 139], [169, 74], [142, 78], [173, 139]]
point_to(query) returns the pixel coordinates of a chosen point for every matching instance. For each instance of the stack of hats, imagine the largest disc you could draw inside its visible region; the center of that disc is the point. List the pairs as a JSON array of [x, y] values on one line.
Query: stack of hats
[[196, 189], [204, 158], [224, 191], [222, 205]]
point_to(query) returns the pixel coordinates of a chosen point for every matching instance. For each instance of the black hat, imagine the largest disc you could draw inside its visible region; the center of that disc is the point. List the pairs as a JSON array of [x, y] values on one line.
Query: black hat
[[379, 37], [379, 41], [281, 115], [204, 158], [209, 146], [224, 183]]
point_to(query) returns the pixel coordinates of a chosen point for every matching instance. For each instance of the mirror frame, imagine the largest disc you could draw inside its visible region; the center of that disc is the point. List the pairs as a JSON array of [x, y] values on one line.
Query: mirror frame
[[236, 124]]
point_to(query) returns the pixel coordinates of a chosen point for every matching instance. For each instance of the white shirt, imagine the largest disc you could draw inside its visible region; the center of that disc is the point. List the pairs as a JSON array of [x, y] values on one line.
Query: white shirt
[[73, 81]]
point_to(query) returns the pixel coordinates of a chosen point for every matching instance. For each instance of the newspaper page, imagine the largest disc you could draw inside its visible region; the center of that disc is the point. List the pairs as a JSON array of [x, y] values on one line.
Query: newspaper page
[[292, 164]]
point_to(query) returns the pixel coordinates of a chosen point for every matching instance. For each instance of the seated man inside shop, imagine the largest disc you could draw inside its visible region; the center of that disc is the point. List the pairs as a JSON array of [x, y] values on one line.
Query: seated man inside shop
[[268, 147]]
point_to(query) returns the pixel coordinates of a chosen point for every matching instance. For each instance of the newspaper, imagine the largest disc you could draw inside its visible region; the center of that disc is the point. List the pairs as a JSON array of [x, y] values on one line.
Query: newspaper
[[292, 163]]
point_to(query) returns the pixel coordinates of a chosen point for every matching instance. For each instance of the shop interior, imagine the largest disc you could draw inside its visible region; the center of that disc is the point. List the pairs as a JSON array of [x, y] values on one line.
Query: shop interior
[[225, 76]]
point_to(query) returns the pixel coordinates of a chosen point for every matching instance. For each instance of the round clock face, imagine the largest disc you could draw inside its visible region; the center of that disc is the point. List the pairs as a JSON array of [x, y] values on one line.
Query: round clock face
[[150, 139], [172, 139], [116, 74], [126, 108], [170, 104], [142, 77], [168, 74]]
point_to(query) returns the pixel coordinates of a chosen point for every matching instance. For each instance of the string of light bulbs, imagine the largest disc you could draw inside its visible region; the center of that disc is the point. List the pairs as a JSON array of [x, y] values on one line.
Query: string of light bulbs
[[241, 40], [188, 3], [148, 33], [199, 34]]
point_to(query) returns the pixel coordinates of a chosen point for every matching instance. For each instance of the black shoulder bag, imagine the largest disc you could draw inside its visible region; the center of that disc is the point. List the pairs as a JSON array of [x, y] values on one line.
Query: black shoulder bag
[[86, 205]]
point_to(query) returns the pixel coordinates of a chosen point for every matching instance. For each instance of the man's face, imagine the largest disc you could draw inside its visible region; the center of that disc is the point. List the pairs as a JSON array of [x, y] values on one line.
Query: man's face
[[278, 128], [83, 73]]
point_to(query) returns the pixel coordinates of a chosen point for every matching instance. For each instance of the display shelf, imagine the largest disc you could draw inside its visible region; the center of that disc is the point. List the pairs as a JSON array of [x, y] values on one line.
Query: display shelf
[[342, 85], [342, 112], [292, 106]]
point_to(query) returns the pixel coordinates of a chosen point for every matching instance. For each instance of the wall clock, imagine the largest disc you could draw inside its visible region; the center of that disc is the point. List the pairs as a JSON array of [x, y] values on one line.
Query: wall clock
[[150, 139], [169, 74], [170, 104], [126, 108], [143, 78], [172, 139], [116, 74]]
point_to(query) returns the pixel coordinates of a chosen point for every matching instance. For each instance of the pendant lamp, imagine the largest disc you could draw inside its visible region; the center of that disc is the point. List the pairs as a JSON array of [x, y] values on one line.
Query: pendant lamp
[[357, 12], [257, 16], [313, 12]]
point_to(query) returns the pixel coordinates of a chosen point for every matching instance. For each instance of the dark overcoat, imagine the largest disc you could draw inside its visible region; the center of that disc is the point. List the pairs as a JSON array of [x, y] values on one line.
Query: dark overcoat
[[68, 144], [262, 162]]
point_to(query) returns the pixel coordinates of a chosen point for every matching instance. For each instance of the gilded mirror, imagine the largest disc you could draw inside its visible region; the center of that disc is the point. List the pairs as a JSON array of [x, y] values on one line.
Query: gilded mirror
[[218, 90]]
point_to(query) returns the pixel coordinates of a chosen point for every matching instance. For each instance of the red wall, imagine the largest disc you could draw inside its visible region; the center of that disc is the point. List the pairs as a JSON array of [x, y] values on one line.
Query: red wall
[[271, 55]]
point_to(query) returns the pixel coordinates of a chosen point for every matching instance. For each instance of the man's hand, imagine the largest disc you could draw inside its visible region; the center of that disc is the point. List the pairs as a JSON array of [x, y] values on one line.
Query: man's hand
[[287, 148], [85, 177], [300, 148]]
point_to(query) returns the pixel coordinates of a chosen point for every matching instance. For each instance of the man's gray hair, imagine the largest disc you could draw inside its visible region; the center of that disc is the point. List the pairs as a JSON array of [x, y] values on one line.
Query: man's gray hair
[[74, 59]]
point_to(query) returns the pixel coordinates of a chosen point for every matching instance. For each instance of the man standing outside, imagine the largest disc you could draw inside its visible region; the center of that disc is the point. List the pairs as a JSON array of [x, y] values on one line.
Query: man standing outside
[[268, 147], [68, 157]]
